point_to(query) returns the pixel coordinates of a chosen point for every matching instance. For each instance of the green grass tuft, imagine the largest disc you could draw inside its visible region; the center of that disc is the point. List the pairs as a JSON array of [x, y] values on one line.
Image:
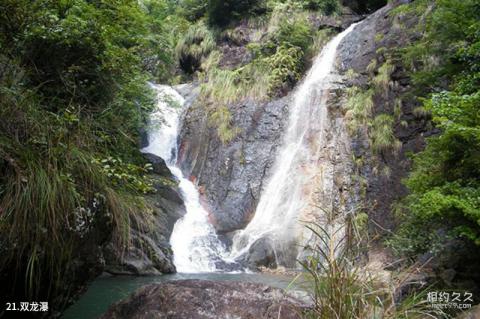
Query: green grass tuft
[[381, 135], [359, 107], [382, 81]]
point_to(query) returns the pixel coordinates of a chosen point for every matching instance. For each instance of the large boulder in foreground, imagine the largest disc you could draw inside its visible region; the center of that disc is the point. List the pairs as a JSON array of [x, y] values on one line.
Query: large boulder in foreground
[[199, 299]]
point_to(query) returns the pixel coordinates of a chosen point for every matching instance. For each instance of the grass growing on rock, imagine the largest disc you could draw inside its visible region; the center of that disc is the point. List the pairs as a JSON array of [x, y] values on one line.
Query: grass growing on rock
[[277, 60], [381, 134], [196, 44]]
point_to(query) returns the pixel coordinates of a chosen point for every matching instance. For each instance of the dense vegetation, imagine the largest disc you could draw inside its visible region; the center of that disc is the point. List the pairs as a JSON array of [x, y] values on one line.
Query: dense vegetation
[[280, 38], [444, 200], [73, 97]]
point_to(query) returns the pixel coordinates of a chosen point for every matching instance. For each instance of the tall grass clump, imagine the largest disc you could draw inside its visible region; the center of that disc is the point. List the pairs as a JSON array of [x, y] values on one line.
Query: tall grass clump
[[359, 107], [196, 44], [382, 136], [71, 175], [53, 195], [382, 81], [340, 288], [226, 87]]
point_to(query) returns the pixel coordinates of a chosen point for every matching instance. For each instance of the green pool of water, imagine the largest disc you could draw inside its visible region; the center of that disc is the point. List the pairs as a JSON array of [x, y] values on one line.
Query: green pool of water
[[105, 291]]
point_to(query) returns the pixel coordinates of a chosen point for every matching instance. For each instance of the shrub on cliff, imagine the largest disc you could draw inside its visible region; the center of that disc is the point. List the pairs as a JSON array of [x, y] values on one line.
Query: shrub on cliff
[[195, 45]]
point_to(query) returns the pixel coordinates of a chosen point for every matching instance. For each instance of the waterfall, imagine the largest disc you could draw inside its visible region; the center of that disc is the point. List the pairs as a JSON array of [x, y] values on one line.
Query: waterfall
[[284, 196], [194, 241]]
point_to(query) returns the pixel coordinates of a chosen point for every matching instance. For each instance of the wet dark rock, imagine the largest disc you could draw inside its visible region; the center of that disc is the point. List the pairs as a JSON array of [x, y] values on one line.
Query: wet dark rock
[[150, 252], [158, 165], [262, 253], [202, 299], [230, 176], [143, 138], [337, 23], [473, 313]]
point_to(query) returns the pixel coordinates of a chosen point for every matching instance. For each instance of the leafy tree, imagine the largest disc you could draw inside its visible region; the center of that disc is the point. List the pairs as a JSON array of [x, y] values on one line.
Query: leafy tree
[[326, 6], [222, 12], [445, 181], [193, 9]]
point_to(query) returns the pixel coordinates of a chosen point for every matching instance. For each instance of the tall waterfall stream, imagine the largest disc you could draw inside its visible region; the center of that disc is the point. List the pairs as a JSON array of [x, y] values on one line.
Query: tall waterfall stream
[[195, 244]]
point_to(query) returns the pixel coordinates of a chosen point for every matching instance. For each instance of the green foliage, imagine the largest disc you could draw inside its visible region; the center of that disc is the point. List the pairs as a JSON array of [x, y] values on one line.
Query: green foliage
[[222, 12], [278, 62], [359, 108], [166, 26], [221, 118], [449, 47], [372, 66], [444, 184], [193, 10], [73, 94], [293, 32], [382, 80], [196, 44], [381, 135], [225, 87], [126, 174], [327, 7], [285, 66], [341, 289]]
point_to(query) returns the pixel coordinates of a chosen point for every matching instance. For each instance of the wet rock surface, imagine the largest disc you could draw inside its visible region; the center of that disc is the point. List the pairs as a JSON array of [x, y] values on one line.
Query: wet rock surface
[[261, 253], [230, 176], [150, 252], [201, 299]]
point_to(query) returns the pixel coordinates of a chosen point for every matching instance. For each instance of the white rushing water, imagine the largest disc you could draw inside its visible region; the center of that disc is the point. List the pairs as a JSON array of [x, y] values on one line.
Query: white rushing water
[[194, 241], [283, 198], [195, 244]]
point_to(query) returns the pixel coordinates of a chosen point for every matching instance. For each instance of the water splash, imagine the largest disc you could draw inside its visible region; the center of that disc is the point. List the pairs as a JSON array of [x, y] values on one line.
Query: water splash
[[283, 198], [196, 247], [194, 241]]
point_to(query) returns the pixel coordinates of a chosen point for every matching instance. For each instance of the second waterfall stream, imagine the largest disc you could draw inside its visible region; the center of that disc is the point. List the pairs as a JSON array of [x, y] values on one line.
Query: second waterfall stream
[[194, 241]]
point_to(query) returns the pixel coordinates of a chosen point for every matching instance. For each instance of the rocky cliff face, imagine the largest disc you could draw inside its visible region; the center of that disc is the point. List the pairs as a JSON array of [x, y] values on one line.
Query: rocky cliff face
[[149, 251], [230, 176], [378, 39]]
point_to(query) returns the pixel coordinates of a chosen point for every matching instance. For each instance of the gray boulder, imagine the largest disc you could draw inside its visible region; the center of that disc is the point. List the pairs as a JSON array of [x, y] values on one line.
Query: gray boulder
[[202, 299], [262, 253]]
